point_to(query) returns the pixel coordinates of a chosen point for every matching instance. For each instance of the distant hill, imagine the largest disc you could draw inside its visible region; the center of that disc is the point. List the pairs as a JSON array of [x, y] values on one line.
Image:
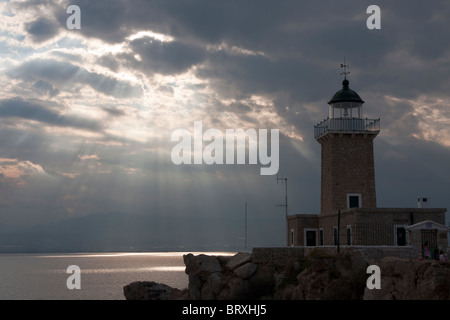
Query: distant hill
[[127, 232]]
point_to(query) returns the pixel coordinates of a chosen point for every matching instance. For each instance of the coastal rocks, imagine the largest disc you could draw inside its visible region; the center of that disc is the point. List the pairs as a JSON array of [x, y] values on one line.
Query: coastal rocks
[[406, 279], [339, 277], [245, 271], [204, 276], [150, 290], [224, 277], [238, 260], [212, 286], [201, 265], [241, 265], [318, 275]]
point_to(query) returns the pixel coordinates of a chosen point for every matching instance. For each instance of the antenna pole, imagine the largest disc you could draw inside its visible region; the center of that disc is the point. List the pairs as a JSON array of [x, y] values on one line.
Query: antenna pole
[[246, 226], [285, 205], [285, 180]]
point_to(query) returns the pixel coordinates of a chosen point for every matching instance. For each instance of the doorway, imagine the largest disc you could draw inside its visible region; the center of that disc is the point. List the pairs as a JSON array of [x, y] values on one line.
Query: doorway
[[311, 238], [401, 236]]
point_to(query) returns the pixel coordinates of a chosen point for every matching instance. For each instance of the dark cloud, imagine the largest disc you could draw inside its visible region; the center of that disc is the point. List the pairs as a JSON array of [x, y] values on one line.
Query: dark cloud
[[109, 61], [163, 57], [64, 75], [19, 108], [42, 29], [238, 108], [45, 88], [114, 20], [114, 111]]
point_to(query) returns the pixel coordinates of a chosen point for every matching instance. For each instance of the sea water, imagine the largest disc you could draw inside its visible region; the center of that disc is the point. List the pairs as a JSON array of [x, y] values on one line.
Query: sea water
[[102, 275]]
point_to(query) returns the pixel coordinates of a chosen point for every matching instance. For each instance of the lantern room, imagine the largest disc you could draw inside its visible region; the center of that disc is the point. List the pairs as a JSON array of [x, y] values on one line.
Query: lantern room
[[345, 103]]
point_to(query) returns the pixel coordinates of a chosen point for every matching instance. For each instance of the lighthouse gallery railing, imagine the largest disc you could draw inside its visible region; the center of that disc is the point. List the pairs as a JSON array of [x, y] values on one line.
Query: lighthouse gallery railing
[[356, 125]]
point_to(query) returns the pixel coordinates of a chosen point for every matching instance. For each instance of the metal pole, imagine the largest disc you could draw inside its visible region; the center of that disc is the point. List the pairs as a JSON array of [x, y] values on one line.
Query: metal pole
[[286, 200], [286, 208], [287, 228], [339, 228], [246, 226]]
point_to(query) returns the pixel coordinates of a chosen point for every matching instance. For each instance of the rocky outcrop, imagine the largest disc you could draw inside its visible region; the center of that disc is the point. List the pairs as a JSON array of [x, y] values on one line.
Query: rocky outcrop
[[150, 290], [219, 277], [204, 276], [404, 279], [340, 277], [317, 276]]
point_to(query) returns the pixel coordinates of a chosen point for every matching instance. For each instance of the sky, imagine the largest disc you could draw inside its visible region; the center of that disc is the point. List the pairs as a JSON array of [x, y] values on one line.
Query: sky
[[87, 115]]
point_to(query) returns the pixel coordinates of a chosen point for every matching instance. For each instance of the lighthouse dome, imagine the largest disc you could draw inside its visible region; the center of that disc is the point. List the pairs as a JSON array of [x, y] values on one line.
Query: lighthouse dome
[[345, 94]]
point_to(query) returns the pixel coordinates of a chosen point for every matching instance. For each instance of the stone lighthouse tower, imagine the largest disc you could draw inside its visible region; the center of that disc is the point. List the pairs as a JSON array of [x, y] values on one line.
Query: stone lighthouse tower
[[347, 167]]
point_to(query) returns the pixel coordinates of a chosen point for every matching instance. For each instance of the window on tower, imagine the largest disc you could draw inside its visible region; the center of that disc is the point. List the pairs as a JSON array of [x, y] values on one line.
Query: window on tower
[[354, 200]]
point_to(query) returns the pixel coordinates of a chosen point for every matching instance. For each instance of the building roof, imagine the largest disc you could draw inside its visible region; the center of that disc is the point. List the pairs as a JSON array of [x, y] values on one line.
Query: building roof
[[345, 94], [427, 224]]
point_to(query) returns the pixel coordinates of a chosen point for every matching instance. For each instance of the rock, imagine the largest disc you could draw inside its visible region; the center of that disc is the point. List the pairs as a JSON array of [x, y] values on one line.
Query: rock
[[238, 260], [212, 287], [194, 287], [406, 279], [347, 264], [147, 290], [237, 289], [202, 270], [311, 285], [321, 264], [331, 277], [245, 271], [178, 294], [201, 265]]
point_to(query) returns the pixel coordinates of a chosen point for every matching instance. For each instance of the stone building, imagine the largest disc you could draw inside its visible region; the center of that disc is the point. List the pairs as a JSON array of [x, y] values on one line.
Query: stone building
[[348, 209]]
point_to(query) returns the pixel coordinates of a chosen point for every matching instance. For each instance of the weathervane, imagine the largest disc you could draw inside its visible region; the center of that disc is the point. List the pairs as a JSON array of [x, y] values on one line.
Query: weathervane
[[345, 66]]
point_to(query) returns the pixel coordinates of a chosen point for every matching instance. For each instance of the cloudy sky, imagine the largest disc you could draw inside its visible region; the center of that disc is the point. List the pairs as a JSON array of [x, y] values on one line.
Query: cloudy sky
[[86, 116]]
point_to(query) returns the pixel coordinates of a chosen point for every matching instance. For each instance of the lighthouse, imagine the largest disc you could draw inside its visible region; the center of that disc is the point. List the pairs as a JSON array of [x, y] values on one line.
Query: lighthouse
[[349, 214], [347, 161]]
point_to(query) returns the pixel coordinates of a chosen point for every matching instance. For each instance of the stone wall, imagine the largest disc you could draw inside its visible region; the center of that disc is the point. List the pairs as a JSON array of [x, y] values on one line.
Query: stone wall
[[283, 254], [278, 255]]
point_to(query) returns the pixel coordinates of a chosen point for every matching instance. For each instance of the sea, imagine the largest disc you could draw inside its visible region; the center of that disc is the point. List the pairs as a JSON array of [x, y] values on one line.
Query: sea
[[101, 276]]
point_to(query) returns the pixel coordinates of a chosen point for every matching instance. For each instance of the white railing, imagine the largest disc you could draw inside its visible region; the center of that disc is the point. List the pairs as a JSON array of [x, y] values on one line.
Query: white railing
[[356, 125]]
